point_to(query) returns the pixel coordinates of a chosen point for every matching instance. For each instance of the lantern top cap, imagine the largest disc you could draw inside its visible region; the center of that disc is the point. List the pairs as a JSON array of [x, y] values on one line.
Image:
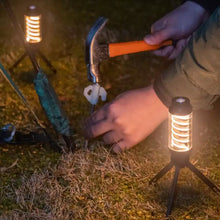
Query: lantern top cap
[[32, 7], [180, 100], [32, 10], [180, 106]]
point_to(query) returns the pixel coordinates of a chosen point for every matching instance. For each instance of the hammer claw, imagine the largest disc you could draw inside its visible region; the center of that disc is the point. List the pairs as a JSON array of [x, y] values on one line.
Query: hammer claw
[[92, 55]]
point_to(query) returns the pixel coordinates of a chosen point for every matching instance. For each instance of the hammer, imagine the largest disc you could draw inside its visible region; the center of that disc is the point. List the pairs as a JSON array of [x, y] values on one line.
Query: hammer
[[96, 53]]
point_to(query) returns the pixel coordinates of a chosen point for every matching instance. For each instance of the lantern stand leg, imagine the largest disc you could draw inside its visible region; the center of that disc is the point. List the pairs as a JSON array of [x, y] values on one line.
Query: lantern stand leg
[[173, 191], [161, 173], [180, 160], [17, 62], [47, 61], [34, 51], [203, 178]]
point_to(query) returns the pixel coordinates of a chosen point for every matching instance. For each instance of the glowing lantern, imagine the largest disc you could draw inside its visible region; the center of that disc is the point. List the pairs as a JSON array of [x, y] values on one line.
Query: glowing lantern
[[32, 36], [33, 25], [180, 144], [180, 125]]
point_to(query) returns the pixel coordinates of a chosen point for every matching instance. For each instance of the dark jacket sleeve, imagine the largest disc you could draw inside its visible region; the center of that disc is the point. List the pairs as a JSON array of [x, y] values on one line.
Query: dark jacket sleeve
[[196, 71], [209, 5]]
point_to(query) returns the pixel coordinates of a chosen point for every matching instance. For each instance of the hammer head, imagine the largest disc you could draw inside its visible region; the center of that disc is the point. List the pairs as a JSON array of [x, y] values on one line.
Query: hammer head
[[94, 52]]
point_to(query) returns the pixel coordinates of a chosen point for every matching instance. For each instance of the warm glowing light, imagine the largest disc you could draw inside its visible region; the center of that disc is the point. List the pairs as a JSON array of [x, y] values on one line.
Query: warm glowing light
[[33, 26], [180, 128]]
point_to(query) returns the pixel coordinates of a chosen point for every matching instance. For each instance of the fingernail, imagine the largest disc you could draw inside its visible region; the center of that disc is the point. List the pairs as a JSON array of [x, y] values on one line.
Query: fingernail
[[149, 39], [117, 149]]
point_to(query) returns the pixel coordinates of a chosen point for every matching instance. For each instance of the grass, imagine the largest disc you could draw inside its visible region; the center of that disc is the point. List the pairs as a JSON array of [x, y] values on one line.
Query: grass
[[38, 183]]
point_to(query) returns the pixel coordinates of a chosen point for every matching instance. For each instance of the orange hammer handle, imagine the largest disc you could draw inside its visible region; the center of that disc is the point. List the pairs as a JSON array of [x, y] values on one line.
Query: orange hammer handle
[[117, 49]]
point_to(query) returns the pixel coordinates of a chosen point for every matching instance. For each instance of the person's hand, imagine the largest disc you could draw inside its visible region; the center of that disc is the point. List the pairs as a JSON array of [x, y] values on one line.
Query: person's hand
[[178, 26], [128, 119]]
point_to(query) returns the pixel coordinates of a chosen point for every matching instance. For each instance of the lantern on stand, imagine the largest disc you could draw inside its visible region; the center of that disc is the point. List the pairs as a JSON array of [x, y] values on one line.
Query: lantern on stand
[[33, 36], [180, 145], [32, 21]]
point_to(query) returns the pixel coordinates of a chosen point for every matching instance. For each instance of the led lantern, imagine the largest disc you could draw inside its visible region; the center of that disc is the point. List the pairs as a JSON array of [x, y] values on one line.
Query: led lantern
[[33, 25], [180, 145], [33, 36], [180, 125]]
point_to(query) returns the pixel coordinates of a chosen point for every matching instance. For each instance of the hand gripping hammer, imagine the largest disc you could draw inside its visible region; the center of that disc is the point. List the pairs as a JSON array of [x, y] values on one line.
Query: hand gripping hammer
[[96, 53]]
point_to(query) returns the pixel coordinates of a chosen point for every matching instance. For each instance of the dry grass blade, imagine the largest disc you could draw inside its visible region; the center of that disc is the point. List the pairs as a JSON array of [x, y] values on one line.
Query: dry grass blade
[[3, 169], [87, 185]]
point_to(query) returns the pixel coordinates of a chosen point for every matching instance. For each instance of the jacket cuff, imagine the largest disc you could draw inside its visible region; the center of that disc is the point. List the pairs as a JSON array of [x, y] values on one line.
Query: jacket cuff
[[174, 82], [162, 93]]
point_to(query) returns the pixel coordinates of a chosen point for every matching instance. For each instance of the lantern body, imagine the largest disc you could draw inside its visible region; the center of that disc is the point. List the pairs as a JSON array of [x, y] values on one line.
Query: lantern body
[[32, 21], [180, 125]]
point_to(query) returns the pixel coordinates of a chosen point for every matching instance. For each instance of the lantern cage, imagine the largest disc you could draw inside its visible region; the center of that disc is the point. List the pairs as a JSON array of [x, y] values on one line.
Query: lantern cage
[[180, 125], [180, 145], [33, 36], [32, 21]]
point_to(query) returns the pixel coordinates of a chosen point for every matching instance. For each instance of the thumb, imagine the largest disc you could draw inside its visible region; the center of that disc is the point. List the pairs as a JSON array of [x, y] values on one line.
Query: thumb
[[158, 37]]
